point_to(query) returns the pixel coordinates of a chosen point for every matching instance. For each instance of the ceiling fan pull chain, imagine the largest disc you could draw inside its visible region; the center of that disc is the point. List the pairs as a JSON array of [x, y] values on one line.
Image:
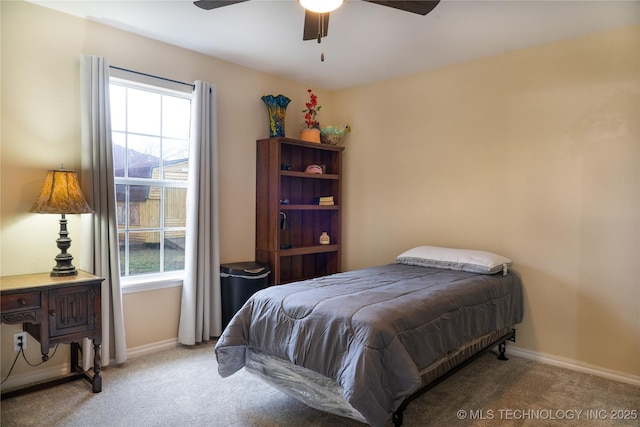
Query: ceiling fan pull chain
[[321, 33]]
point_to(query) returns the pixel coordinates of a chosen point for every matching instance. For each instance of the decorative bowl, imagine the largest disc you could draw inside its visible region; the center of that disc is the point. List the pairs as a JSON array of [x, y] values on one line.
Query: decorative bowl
[[333, 135]]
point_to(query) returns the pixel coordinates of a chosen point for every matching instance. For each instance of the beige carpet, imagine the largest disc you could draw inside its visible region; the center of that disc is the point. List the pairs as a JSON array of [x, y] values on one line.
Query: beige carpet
[[181, 387]]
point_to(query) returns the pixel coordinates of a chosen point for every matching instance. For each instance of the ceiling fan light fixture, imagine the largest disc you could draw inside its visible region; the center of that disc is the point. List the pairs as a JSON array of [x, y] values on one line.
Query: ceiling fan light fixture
[[321, 6]]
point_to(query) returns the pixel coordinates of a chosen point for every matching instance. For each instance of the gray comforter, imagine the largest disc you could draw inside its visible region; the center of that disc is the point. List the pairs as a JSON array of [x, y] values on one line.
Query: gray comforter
[[372, 330]]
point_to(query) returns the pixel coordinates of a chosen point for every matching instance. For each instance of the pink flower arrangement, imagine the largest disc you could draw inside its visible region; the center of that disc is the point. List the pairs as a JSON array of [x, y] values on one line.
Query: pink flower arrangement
[[311, 111]]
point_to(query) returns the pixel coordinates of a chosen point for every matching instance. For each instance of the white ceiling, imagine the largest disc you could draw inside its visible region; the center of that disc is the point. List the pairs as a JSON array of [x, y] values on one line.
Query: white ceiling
[[366, 42]]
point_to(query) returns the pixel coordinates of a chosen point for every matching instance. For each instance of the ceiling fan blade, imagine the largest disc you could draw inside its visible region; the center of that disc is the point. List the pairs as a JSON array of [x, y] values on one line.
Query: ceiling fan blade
[[214, 4], [313, 23], [421, 7]]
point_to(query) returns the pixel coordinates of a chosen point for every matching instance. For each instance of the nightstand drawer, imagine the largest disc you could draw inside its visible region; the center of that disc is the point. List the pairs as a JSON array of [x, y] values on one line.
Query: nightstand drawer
[[20, 302]]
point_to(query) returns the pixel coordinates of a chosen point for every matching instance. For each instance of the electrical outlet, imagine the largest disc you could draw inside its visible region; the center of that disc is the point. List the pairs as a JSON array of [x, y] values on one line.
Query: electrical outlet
[[19, 340]]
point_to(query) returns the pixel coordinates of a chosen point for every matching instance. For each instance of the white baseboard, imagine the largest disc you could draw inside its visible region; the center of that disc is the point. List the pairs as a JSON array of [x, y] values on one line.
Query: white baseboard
[[134, 352], [516, 351], [21, 380], [41, 375], [574, 365], [16, 381]]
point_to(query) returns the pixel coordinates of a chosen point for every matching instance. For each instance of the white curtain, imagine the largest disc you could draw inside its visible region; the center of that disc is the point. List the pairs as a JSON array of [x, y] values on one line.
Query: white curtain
[[200, 314], [100, 231]]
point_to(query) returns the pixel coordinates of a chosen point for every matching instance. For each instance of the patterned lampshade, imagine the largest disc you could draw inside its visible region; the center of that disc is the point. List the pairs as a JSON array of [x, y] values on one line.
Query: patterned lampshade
[[61, 194]]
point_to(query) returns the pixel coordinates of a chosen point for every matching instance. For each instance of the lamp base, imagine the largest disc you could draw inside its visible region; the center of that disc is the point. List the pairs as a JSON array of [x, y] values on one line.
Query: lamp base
[[63, 259], [63, 266], [55, 273]]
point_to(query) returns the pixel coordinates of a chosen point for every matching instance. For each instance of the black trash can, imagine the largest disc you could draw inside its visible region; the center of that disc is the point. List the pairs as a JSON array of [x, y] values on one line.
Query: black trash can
[[238, 281]]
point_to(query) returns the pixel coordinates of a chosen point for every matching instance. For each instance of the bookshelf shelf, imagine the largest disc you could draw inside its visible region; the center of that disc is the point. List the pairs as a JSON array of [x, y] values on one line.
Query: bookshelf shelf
[[309, 208], [309, 175]]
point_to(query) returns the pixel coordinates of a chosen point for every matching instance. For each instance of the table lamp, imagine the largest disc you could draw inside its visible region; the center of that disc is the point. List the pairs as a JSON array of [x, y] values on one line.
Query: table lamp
[[61, 194]]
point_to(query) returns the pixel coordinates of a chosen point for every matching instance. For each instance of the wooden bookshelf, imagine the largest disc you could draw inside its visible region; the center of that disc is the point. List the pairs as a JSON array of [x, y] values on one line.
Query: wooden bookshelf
[[284, 191]]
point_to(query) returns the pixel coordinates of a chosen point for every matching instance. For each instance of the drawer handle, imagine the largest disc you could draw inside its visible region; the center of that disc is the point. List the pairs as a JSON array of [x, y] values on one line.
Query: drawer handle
[[22, 301], [52, 313]]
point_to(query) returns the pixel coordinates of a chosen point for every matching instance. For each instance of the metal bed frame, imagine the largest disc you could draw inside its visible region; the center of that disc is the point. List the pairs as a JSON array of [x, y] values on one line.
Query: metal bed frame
[[398, 415]]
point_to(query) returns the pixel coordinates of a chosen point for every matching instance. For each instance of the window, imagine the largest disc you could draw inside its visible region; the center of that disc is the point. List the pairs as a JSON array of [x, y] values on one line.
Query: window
[[150, 128]]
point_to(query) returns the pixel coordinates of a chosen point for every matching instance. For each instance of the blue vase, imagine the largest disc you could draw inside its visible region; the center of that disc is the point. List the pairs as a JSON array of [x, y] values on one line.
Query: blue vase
[[276, 107]]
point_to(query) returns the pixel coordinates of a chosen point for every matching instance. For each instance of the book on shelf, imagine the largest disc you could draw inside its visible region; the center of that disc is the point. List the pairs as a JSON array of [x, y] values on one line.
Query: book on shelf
[[325, 200]]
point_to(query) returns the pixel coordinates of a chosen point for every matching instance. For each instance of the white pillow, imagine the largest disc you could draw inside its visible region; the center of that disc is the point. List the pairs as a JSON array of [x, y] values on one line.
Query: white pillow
[[455, 259]]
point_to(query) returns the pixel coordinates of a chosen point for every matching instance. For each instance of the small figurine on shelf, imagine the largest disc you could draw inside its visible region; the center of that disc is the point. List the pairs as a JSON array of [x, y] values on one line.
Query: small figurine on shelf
[[317, 169], [324, 238]]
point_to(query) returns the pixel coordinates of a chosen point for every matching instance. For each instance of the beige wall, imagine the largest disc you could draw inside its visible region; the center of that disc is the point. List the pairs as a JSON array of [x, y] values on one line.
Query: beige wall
[[533, 154], [41, 129]]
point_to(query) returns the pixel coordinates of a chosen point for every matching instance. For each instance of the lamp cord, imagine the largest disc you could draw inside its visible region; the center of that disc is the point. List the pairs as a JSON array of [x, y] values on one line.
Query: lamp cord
[[12, 365], [40, 363], [24, 356]]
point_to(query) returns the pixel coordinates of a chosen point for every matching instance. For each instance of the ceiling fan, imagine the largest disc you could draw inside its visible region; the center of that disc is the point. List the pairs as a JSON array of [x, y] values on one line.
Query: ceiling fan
[[316, 24]]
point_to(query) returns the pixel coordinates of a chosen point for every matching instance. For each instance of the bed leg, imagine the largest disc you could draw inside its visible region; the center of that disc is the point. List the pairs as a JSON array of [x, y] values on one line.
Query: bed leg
[[501, 348], [397, 417]]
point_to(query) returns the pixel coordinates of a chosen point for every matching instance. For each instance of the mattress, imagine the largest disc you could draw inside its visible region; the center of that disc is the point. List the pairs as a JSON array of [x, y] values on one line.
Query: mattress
[[325, 394], [372, 331]]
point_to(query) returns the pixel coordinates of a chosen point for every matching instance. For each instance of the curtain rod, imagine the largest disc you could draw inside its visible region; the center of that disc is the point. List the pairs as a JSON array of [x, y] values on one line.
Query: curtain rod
[[151, 75]]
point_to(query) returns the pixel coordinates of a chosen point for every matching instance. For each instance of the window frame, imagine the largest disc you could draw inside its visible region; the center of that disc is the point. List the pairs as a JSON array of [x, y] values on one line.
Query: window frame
[[165, 279]]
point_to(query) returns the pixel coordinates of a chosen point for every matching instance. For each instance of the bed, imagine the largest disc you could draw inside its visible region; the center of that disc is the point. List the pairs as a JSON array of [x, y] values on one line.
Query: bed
[[364, 343]]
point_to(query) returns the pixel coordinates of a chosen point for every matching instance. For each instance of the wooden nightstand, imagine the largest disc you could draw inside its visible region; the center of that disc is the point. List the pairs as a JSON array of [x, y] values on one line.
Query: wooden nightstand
[[56, 310]]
